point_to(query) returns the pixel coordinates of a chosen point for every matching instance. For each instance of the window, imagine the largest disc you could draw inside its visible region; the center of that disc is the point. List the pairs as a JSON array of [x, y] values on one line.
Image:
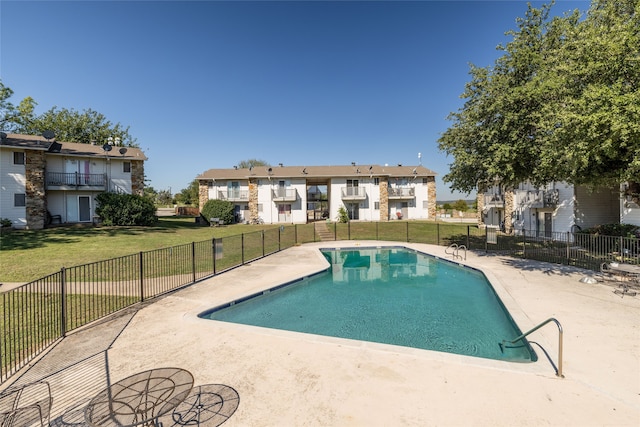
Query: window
[[376, 206], [19, 200], [126, 167], [259, 207], [376, 181], [18, 158]]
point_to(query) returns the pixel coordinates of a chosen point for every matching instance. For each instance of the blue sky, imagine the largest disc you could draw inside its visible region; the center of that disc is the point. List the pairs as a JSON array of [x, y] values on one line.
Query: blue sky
[[207, 84]]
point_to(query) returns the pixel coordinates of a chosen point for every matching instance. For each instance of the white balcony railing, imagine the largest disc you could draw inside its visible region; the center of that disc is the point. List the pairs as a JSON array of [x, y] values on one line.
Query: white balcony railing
[[234, 195], [540, 198], [495, 200], [401, 193], [285, 195], [353, 193]]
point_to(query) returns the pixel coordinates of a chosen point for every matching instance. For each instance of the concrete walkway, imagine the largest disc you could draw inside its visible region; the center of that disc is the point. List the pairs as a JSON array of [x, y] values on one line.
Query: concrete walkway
[[292, 379]]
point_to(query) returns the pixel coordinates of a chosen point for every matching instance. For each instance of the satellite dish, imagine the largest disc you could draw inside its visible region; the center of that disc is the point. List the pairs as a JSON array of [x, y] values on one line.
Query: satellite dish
[[122, 150], [48, 134], [106, 147]]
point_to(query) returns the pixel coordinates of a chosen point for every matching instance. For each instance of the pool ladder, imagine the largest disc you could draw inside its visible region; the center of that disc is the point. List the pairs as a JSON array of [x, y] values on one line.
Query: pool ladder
[[454, 251], [559, 367]]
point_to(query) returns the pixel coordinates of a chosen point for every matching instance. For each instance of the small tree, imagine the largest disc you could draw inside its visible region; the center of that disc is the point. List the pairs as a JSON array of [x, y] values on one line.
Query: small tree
[[251, 163], [221, 209], [189, 195], [343, 215], [461, 205]]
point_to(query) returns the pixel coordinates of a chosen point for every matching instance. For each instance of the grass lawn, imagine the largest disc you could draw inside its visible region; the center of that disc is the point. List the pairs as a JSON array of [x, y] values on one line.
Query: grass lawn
[[26, 255]]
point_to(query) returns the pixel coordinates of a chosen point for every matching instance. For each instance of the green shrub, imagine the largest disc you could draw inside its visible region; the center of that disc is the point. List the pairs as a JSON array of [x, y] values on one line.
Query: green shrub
[[619, 230], [343, 215], [5, 222], [125, 209], [221, 209]]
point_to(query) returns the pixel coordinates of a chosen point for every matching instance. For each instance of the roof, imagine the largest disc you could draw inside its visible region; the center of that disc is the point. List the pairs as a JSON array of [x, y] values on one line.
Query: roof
[[351, 171], [34, 142]]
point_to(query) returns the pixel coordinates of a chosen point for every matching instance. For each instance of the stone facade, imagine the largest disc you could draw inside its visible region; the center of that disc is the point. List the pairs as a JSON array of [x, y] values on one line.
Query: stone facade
[[480, 208], [384, 199], [137, 177], [203, 193], [431, 197], [36, 200], [509, 208], [253, 201]]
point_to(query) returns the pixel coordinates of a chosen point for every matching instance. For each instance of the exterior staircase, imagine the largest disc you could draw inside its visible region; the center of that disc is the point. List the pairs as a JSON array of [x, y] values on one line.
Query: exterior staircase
[[323, 231]]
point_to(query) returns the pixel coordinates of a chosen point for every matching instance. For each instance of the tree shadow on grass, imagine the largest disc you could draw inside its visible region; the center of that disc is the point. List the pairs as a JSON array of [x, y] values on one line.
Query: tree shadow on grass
[[32, 239]]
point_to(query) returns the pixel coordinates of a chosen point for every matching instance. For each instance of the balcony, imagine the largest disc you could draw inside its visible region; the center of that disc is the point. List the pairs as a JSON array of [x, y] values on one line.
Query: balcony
[[537, 199], [234, 195], [400, 193], [495, 200], [285, 195], [76, 180], [353, 193]]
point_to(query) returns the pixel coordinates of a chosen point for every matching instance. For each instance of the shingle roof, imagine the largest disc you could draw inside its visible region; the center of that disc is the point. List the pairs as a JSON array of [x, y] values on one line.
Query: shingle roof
[[34, 142], [317, 172]]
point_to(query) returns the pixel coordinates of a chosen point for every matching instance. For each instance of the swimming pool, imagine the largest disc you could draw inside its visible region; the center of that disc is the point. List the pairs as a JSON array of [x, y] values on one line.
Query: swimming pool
[[390, 295]]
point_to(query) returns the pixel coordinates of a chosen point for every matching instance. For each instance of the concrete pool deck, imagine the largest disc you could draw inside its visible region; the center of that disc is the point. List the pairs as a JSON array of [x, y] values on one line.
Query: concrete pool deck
[[292, 379]]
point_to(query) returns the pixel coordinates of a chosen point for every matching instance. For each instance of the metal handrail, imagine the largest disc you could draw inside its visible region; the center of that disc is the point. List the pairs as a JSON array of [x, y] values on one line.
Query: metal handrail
[[559, 368], [455, 252]]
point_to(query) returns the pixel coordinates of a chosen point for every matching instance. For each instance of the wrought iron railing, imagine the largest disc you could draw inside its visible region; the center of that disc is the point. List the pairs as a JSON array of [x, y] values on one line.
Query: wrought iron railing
[[76, 179], [36, 315]]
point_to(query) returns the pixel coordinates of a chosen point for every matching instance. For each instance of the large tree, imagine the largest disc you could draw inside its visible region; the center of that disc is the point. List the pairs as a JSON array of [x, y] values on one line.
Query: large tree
[[84, 127], [14, 117], [68, 125], [561, 104]]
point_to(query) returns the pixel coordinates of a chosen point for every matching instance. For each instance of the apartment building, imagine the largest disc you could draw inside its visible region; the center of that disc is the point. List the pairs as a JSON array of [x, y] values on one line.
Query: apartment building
[[43, 181], [301, 194]]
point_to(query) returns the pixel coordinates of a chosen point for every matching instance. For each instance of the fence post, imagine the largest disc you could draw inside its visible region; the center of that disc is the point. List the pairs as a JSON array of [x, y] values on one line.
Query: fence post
[[262, 232], [63, 302], [407, 231], [568, 249], [349, 230], [524, 243], [141, 268], [377, 234], [213, 251], [280, 238], [438, 233], [193, 261], [468, 237], [486, 239], [242, 247], [335, 231]]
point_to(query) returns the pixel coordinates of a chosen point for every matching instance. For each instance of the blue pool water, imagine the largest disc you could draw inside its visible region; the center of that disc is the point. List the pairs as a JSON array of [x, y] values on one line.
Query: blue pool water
[[389, 295]]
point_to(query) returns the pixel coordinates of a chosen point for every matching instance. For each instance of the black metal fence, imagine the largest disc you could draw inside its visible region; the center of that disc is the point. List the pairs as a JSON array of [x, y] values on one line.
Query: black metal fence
[[37, 314]]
